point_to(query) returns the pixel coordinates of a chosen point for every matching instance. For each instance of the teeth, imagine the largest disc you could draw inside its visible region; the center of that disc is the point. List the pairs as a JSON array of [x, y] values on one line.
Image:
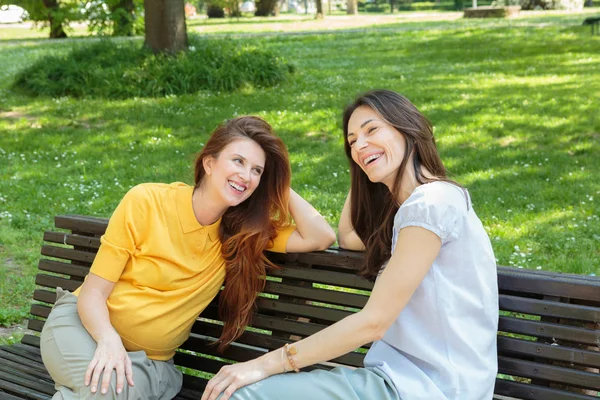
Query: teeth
[[236, 186], [371, 158]]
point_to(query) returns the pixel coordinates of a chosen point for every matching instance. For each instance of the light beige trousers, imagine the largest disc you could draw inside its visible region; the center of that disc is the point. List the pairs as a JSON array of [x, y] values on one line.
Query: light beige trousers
[[67, 349]]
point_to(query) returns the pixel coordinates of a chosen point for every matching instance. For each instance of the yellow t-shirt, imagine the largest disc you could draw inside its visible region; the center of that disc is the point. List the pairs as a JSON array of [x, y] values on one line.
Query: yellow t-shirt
[[167, 267]]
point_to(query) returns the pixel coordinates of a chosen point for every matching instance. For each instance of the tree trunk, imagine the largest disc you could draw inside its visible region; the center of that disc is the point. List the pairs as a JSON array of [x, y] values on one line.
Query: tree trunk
[[266, 8], [165, 26], [319, 9], [56, 24], [123, 18], [392, 2], [352, 7]]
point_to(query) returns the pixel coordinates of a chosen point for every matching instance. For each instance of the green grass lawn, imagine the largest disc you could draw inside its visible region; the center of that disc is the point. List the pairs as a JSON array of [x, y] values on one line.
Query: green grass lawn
[[514, 103]]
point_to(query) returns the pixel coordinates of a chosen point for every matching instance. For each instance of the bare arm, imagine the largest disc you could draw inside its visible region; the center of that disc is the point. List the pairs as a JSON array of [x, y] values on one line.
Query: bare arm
[[347, 236], [110, 353], [312, 231], [415, 252]]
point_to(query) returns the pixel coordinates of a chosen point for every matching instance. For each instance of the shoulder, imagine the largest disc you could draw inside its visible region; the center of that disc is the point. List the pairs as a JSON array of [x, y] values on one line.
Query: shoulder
[[436, 206], [153, 190], [441, 194]]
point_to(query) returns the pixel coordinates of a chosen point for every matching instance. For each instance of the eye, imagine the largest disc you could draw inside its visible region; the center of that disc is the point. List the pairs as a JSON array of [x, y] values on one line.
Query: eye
[[372, 129], [351, 142], [257, 171], [238, 160]]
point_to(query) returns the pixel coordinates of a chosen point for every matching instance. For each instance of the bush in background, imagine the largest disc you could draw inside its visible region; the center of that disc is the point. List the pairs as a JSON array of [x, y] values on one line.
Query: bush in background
[[123, 69]]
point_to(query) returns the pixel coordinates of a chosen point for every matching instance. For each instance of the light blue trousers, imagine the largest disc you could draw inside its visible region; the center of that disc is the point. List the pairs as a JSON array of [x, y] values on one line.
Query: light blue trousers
[[337, 384]]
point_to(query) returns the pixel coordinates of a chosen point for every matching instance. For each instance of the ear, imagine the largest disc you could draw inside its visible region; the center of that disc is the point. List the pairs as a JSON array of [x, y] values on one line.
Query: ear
[[207, 163]]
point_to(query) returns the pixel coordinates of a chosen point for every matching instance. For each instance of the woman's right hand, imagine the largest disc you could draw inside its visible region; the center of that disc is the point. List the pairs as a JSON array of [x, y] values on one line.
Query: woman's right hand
[[110, 355]]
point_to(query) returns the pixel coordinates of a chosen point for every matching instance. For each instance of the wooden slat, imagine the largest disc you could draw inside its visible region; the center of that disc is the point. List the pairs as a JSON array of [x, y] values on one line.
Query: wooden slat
[[31, 340], [332, 257], [45, 296], [26, 352], [301, 310], [38, 385], [347, 280], [54, 282], [63, 268], [560, 285], [80, 223], [6, 396], [533, 392], [68, 254], [549, 330], [320, 295], [235, 351], [549, 308], [10, 387], [40, 310], [90, 242], [7, 356], [508, 345], [199, 363], [18, 365], [35, 325], [552, 373], [269, 342]]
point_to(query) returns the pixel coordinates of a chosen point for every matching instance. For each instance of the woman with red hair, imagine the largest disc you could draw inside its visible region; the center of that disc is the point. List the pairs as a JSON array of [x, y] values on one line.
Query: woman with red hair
[[166, 253]]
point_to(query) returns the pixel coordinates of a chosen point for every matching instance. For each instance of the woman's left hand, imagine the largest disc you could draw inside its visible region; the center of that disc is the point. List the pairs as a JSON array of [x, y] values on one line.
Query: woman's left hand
[[232, 377]]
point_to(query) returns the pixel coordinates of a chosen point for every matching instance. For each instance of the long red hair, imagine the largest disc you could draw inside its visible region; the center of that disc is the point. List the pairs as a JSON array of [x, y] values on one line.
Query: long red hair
[[247, 229]]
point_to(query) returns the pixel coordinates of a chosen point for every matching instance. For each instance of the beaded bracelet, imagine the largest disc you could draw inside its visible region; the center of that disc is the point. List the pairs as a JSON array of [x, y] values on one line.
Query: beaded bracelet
[[283, 360], [290, 350]]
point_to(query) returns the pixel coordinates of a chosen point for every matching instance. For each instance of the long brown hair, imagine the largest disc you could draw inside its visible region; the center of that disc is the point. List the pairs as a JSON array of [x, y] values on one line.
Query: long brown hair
[[247, 229], [373, 205]]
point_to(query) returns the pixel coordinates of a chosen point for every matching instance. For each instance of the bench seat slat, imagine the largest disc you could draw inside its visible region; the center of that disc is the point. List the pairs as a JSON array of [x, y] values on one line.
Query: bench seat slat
[[26, 369], [24, 351], [509, 345], [549, 308], [10, 387], [7, 356], [549, 330], [554, 373], [18, 378]]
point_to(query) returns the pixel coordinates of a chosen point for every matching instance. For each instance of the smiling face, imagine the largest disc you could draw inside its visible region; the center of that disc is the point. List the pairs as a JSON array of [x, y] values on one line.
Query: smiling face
[[235, 173], [376, 146]]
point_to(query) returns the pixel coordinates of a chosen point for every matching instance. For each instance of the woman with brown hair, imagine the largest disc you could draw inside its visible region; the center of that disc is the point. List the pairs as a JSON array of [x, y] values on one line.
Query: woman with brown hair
[[433, 312], [166, 253]]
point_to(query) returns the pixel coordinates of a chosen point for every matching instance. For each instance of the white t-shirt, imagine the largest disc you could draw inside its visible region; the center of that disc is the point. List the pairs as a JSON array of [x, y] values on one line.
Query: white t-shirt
[[443, 343]]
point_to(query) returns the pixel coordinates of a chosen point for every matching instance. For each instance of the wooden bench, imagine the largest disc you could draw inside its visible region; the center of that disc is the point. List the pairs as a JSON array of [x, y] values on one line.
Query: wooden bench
[[547, 341], [594, 22]]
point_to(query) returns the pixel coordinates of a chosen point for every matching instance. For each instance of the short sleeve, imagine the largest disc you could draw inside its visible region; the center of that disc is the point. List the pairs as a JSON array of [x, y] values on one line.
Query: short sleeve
[[436, 207], [125, 230], [280, 242]]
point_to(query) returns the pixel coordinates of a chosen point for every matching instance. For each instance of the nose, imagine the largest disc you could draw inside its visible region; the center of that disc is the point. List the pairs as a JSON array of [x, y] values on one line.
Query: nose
[[361, 142], [244, 174]]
